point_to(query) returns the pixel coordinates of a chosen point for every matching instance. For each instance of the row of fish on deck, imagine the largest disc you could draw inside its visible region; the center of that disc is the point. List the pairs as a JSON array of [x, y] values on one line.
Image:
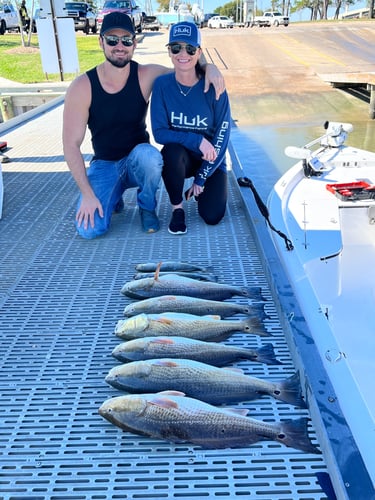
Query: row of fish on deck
[[174, 364]]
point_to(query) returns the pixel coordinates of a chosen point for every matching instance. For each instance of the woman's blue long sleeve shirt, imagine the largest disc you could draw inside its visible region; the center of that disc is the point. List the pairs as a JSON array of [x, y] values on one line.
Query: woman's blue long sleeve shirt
[[176, 118]]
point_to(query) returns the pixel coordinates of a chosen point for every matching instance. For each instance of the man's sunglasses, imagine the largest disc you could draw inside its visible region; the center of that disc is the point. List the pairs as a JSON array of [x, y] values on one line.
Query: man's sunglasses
[[113, 40], [177, 47]]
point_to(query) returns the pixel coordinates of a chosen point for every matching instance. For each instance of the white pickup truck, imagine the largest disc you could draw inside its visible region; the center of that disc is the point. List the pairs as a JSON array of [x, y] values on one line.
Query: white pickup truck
[[9, 19], [270, 18]]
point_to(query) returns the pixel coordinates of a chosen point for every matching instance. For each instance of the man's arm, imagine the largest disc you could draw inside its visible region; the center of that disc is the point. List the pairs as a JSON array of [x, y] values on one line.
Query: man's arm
[[149, 72], [212, 76], [76, 110]]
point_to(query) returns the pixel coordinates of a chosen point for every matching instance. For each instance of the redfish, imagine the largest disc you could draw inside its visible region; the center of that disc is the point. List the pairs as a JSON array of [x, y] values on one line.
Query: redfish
[[199, 380], [210, 328], [182, 347], [173, 417], [172, 284], [193, 305], [171, 265]]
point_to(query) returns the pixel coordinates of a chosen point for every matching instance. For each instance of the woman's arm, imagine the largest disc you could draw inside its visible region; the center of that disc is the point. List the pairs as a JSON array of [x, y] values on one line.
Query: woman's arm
[[220, 139]]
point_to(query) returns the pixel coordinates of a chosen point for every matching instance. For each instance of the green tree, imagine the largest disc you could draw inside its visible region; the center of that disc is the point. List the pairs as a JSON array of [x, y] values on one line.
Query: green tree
[[163, 5], [228, 9], [319, 8]]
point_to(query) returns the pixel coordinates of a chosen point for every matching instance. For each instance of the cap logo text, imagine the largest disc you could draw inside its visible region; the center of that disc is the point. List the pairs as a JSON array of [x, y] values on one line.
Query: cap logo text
[[182, 30]]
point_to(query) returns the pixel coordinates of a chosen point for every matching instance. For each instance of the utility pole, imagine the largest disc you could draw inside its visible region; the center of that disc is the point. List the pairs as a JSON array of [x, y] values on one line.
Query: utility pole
[[371, 9]]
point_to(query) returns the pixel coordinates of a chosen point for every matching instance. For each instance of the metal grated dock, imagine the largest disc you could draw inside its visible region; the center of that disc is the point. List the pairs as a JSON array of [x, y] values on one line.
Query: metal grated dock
[[59, 303]]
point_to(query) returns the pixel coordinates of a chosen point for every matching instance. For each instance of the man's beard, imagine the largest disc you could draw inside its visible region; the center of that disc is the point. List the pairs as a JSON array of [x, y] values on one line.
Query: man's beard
[[118, 63]]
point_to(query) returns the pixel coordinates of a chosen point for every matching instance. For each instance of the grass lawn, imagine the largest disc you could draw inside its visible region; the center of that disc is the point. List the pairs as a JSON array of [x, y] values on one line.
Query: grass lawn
[[24, 64]]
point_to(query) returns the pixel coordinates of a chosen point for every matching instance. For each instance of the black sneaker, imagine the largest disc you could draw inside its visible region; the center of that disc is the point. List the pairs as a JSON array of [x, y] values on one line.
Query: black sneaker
[[177, 224]]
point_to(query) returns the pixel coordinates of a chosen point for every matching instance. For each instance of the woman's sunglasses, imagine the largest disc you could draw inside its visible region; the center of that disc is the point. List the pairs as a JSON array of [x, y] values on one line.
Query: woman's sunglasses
[[113, 40], [177, 47]]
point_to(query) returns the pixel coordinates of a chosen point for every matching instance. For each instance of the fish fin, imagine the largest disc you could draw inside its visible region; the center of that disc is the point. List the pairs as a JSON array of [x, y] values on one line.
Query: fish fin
[[160, 340], [157, 271], [257, 309], [266, 355], [254, 293], [163, 402], [238, 411], [167, 298], [209, 277], [294, 433], [164, 362], [255, 326], [164, 320], [172, 393], [233, 369], [289, 391]]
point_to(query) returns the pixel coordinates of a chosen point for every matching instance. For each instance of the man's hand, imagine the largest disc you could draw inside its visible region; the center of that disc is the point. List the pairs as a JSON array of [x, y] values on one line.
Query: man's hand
[[214, 76], [86, 211]]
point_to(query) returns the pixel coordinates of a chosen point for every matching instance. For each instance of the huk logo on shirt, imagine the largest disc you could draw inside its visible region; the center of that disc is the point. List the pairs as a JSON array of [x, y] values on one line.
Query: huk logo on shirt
[[181, 120]]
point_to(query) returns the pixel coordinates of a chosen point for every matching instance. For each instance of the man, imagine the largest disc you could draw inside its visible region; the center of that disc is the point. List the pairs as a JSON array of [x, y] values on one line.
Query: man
[[25, 20], [112, 100]]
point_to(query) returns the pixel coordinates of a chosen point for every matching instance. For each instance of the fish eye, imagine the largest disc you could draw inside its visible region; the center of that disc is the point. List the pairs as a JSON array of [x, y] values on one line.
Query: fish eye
[[281, 436]]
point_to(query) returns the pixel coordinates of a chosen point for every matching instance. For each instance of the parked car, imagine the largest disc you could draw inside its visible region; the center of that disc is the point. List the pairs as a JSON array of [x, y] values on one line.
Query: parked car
[[83, 16], [220, 22], [127, 6], [9, 19], [151, 23], [206, 18], [270, 18]]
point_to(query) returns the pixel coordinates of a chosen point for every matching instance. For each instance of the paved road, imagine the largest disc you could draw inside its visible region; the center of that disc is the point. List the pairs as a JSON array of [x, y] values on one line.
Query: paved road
[[275, 76]]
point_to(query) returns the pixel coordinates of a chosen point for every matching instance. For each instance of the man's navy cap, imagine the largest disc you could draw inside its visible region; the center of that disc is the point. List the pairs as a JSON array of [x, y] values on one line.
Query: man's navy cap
[[117, 20], [185, 32]]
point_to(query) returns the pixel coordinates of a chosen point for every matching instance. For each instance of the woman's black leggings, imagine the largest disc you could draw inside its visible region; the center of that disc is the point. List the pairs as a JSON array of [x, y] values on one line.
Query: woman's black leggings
[[180, 164]]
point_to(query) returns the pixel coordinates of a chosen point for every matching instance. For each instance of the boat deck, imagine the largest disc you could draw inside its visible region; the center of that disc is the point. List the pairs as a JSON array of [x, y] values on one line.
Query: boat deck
[[59, 303]]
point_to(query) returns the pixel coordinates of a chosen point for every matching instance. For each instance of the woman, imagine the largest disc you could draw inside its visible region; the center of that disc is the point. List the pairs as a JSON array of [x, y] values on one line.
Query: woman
[[194, 128]]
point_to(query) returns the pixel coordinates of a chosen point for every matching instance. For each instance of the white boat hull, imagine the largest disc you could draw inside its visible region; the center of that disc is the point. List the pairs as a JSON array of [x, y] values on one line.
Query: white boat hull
[[332, 272]]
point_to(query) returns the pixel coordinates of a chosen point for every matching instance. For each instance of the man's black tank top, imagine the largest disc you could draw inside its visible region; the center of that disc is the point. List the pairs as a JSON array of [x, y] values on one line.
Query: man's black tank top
[[117, 121]]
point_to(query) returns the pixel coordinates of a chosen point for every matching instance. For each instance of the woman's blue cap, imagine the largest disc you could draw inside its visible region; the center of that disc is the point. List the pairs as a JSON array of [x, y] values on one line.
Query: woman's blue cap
[[185, 32]]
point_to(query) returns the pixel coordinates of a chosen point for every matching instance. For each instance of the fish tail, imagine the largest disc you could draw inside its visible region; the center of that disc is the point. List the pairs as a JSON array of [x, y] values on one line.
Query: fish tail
[[255, 326], [208, 277], [254, 293], [294, 433], [289, 391], [257, 309], [266, 355]]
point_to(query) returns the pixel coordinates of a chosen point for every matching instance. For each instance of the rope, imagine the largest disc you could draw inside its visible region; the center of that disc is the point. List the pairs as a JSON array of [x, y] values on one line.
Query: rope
[[246, 182]]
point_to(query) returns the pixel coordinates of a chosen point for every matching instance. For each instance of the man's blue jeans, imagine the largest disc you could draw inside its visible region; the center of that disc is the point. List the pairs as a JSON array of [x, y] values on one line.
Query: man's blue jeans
[[109, 179]]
